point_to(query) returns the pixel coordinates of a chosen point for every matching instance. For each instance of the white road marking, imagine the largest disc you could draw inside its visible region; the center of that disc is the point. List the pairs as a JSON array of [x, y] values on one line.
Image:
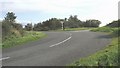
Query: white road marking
[[61, 41], [4, 58]]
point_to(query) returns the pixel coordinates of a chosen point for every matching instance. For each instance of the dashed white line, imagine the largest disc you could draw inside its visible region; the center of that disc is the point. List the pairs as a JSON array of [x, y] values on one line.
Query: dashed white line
[[4, 58], [61, 41]]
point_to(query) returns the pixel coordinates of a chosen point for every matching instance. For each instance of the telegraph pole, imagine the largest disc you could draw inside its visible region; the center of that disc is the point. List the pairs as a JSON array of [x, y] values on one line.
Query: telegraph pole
[[62, 25]]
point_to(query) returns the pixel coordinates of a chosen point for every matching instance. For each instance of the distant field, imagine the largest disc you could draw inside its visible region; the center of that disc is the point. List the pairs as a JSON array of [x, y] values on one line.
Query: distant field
[[105, 57], [28, 37]]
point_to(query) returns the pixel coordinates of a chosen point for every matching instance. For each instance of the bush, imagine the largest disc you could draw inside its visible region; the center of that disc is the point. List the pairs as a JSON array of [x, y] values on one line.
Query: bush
[[116, 32]]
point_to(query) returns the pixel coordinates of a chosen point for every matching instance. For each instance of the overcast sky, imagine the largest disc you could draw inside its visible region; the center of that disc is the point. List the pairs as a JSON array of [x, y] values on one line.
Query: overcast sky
[[41, 10]]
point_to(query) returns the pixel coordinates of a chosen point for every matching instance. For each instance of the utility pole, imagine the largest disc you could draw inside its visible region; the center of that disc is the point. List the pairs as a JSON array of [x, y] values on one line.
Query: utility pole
[[31, 26], [62, 25]]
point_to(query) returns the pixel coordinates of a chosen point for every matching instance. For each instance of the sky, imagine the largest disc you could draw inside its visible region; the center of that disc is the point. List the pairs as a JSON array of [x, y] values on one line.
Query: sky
[[36, 11]]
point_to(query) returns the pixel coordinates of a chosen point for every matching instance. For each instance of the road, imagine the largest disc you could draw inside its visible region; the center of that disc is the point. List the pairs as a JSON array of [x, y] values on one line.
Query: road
[[58, 49]]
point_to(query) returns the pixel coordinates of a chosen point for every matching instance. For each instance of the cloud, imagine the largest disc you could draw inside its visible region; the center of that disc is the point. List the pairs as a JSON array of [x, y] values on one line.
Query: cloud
[[57, 6], [104, 10]]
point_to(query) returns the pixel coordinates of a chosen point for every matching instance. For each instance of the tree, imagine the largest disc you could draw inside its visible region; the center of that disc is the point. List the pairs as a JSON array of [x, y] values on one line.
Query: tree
[[54, 24], [38, 27], [92, 23], [115, 23], [28, 27], [10, 17], [51, 24], [73, 22], [10, 27], [7, 23]]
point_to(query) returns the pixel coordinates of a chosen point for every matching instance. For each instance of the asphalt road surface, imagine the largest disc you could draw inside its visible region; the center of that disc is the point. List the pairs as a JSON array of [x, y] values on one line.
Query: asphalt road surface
[[58, 49]]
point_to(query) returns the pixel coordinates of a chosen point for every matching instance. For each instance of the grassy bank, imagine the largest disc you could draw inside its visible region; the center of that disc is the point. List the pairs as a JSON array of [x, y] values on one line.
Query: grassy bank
[[105, 57], [28, 37]]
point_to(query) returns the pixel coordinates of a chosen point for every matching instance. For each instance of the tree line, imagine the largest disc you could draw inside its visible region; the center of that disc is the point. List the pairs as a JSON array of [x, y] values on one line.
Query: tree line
[[54, 24], [115, 23], [11, 27]]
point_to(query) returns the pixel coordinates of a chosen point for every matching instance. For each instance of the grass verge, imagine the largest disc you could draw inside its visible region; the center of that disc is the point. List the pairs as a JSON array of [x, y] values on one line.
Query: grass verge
[[73, 29], [28, 37]]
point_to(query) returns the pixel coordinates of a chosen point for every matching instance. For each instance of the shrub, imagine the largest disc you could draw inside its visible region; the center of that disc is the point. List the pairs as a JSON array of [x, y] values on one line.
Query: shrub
[[116, 32]]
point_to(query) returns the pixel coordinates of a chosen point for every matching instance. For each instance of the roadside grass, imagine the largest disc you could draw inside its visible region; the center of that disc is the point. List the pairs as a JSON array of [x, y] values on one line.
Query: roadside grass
[[28, 37], [104, 29], [105, 57], [113, 31], [73, 29]]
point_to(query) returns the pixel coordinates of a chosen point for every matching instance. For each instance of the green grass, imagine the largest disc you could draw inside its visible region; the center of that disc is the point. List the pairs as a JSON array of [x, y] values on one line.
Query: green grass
[[28, 37], [73, 29], [112, 31], [105, 57], [104, 29]]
